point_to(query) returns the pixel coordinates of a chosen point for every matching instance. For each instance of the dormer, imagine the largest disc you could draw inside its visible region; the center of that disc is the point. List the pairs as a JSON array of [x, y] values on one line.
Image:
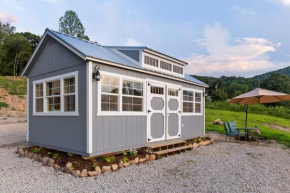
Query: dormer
[[151, 59]]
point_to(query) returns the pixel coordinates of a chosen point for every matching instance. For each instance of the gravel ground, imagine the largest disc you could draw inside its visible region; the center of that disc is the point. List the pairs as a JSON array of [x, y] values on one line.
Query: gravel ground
[[220, 167], [12, 131]]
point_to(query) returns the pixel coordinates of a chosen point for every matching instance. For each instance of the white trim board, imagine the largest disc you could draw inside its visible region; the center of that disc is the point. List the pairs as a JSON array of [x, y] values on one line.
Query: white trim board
[[89, 106], [61, 112], [27, 106]]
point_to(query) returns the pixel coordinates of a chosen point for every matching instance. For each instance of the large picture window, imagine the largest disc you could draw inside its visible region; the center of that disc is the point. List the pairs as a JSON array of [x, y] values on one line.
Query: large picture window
[[56, 95]]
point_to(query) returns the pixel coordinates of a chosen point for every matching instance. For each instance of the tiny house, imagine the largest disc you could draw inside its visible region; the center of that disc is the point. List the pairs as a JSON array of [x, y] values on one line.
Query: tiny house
[[88, 99]]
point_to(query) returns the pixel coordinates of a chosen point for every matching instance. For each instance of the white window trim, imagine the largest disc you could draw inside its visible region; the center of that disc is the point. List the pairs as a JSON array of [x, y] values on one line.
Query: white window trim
[[202, 101], [61, 112], [120, 96]]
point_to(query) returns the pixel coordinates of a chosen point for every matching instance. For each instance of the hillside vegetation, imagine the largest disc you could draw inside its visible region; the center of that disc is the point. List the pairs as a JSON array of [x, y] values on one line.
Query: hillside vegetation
[[285, 71]]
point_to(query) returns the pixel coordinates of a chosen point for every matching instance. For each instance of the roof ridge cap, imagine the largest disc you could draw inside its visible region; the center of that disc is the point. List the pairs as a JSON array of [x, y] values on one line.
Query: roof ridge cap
[[96, 43]]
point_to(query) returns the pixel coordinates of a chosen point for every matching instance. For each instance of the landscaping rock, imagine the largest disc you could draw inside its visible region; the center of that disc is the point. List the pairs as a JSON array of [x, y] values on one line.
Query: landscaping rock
[[21, 153], [201, 143], [28, 154], [50, 162], [69, 170], [93, 173], [195, 145], [84, 173], [25, 153], [76, 173], [272, 141], [63, 169], [147, 157], [106, 168], [56, 167], [121, 164], [218, 122], [34, 157], [134, 161], [69, 165], [141, 160], [212, 140], [98, 170], [152, 157], [206, 142], [45, 160], [114, 167], [31, 155], [126, 164], [39, 158]]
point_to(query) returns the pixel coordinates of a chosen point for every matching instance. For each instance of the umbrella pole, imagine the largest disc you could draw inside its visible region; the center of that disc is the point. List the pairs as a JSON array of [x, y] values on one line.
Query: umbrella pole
[[246, 124]]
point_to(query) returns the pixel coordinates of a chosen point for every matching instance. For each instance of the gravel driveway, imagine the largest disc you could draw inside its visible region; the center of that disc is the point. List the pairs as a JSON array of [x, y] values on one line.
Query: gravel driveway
[[12, 131], [220, 167]]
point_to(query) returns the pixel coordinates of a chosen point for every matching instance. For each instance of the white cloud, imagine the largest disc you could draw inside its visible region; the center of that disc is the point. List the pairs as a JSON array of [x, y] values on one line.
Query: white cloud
[[6, 17], [245, 57], [284, 2], [243, 11], [133, 42]]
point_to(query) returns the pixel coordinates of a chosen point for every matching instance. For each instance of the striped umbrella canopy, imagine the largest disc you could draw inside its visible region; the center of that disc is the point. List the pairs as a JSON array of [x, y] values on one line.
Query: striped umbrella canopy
[[259, 95]]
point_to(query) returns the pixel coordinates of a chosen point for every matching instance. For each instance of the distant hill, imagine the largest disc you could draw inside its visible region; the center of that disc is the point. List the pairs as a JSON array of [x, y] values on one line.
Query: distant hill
[[285, 71]]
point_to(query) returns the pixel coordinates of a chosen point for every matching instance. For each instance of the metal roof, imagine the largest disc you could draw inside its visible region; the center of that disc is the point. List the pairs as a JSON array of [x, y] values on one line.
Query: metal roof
[[94, 50]]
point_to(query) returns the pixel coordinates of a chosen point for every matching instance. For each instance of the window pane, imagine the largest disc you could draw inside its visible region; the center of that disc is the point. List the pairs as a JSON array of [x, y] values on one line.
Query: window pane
[[137, 107], [53, 88], [198, 107], [110, 85], [187, 95], [69, 103], [137, 101], [187, 107], [39, 105], [151, 61], [156, 90], [39, 90], [197, 97], [132, 104], [109, 102], [53, 104], [69, 85], [173, 92], [132, 88]]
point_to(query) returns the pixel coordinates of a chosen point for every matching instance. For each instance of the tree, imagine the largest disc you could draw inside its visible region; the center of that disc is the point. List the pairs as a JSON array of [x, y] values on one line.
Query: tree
[[18, 51], [277, 82], [71, 24], [32, 38]]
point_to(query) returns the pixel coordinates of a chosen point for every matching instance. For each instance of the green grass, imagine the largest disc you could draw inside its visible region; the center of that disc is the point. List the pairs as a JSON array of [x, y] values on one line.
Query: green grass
[[14, 86], [276, 111], [282, 137], [3, 105]]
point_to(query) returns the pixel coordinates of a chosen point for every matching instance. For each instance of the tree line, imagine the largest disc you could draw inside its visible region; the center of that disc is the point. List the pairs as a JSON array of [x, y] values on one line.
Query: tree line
[[16, 48], [223, 88]]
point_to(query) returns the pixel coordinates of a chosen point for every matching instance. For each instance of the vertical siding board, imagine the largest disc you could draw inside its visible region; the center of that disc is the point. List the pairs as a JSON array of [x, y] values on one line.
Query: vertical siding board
[[100, 133], [118, 131], [106, 135], [112, 137], [129, 132], [123, 131], [134, 131]]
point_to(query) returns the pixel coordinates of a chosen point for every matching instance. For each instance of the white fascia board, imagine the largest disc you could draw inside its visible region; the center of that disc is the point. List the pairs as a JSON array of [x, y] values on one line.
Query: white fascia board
[[89, 106]]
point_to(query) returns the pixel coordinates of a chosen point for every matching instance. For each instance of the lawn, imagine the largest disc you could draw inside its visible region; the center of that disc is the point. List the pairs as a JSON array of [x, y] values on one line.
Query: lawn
[[282, 137], [13, 85]]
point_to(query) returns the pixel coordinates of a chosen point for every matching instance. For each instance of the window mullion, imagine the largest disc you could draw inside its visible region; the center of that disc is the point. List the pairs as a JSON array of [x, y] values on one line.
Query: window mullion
[[61, 96], [44, 98], [120, 94]]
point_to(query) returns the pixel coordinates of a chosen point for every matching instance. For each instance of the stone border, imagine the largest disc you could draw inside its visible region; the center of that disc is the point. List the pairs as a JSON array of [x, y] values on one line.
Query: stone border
[[69, 169]]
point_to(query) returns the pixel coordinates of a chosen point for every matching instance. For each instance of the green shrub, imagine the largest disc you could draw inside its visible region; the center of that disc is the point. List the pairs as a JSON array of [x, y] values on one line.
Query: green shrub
[[3, 105]]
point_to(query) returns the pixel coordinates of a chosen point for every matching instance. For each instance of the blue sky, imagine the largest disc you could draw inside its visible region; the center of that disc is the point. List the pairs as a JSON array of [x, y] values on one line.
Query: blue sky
[[216, 37]]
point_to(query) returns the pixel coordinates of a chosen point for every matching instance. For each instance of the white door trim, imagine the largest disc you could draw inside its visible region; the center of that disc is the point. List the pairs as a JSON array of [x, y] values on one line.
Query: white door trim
[[178, 111], [150, 111]]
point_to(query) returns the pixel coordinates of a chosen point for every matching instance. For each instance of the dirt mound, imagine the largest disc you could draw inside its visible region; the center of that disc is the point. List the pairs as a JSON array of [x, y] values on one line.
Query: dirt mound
[[16, 104]]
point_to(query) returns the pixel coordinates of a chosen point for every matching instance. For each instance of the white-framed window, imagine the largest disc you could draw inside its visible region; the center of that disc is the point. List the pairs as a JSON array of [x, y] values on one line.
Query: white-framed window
[[165, 65], [172, 92], [177, 69], [192, 102], [120, 95], [56, 96]]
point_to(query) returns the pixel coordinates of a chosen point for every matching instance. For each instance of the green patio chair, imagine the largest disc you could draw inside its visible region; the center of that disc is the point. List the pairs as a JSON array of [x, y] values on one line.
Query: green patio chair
[[229, 133]]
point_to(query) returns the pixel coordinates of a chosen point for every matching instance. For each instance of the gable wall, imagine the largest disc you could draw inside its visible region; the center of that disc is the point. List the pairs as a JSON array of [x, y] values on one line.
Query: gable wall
[[66, 133]]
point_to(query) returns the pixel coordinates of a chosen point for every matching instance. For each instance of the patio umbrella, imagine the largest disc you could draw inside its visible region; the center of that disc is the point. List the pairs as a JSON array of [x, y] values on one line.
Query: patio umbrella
[[259, 95]]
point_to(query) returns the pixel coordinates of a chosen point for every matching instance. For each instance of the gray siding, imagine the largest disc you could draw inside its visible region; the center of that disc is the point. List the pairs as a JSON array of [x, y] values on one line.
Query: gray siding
[[66, 133], [123, 132], [52, 56], [193, 126]]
